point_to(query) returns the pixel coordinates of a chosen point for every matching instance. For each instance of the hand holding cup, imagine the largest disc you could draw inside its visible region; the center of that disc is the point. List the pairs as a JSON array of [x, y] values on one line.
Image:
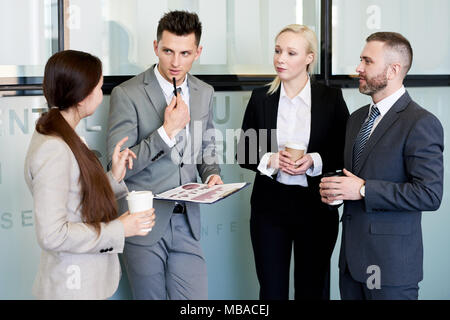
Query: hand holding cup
[[337, 173], [295, 150], [140, 201], [139, 223]]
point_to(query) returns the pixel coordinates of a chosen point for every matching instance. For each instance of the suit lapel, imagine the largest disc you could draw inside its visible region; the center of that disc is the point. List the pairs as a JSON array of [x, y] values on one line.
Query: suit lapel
[[271, 117], [154, 93], [388, 120], [196, 110], [316, 117]]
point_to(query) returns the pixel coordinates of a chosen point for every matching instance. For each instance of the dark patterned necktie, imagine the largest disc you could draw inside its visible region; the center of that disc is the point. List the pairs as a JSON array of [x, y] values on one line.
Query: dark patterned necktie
[[363, 135]]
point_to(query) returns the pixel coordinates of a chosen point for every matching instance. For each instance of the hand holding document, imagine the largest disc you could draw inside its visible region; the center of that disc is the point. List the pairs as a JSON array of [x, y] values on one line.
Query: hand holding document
[[201, 193]]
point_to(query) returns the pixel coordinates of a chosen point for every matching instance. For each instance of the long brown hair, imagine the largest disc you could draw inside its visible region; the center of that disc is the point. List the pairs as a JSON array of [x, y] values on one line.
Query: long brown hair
[[69, 77]]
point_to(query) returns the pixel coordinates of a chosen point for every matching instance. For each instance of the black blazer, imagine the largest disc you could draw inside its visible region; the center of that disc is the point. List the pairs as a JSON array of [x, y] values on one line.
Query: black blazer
[[329, 116]]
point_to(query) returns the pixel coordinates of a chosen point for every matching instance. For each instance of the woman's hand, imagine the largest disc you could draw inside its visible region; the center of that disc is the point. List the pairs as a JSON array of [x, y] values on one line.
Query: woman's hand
[[300, 166], [120, 159], [135, 224], [280, 160]]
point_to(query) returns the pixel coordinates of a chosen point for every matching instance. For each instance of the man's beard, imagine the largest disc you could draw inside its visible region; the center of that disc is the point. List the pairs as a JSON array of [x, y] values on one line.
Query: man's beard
[[375, 84]]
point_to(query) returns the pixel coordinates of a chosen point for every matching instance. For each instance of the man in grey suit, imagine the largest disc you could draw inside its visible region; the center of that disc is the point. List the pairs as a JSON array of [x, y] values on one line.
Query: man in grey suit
[[172, 135], [393, 156]]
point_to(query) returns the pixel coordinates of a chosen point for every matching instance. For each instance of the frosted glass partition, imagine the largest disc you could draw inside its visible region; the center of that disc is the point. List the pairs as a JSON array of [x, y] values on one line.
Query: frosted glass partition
[[225, 225], [424, 23], [238, 36], [28, 36]]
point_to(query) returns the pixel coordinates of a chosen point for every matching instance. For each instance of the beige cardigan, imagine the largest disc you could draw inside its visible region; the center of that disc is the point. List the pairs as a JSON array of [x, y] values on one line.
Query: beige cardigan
[[75, 262]]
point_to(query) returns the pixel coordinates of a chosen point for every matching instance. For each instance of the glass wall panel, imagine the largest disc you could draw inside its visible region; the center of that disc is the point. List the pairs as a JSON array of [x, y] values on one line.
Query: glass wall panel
[[225, 225], [19, 251], [28, 36], [238, 36], [424, 23]]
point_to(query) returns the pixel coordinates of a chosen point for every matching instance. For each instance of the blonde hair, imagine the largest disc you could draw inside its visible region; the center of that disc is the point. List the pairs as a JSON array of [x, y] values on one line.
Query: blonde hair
[[311, 40]]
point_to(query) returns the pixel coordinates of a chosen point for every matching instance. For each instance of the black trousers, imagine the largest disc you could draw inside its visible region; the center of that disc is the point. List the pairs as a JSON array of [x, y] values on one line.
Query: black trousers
[[301, 221]]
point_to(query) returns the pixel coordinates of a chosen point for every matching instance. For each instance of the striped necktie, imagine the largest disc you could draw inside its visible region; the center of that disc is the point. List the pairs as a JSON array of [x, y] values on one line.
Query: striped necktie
[[363, 135]]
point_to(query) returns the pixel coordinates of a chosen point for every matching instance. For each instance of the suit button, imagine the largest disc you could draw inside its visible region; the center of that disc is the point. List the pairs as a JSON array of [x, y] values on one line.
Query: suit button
[[110, 249], [102, 251], [349, 217], [181, 165]]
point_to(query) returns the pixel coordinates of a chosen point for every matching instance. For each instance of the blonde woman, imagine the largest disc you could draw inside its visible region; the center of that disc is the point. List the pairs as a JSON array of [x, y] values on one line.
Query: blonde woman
[[286, 209]]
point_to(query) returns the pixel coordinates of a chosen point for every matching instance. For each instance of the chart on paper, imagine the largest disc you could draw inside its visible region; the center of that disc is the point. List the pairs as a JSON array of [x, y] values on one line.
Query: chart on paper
[[201, 193]]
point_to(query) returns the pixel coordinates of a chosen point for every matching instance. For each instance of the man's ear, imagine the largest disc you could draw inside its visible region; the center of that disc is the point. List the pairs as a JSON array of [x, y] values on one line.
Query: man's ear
[[198, 52], [394, 71], [155, 47]]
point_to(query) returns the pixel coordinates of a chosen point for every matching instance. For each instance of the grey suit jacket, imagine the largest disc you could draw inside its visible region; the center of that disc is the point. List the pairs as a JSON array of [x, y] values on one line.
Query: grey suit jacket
[[137, 111], [402, 164], [76, 262]]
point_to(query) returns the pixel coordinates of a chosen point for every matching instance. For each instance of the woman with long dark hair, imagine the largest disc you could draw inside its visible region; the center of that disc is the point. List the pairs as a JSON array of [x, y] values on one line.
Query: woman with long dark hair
[[286, 210], [74, 200]]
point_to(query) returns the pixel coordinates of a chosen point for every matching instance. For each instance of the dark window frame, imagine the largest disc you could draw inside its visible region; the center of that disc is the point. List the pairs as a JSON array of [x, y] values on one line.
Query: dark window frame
[[23, 86]]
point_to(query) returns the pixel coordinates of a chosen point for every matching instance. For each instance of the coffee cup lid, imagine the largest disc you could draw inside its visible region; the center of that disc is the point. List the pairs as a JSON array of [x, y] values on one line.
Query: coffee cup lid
[[335, 173], [138, 193]]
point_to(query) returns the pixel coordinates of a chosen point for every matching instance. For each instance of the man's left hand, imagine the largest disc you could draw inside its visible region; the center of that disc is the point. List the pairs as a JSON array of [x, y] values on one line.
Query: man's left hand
[[213, 180]]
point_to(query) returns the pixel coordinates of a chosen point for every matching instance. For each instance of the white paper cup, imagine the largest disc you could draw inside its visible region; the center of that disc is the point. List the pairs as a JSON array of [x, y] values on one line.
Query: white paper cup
[[295, 149], [139, 201]]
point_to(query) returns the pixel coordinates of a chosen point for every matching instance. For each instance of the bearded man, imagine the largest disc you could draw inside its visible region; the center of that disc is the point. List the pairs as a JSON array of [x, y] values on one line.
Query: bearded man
[[393, 171]]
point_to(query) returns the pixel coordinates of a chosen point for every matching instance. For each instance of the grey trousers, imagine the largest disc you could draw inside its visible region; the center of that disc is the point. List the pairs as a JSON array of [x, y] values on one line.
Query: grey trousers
[[174, 268]]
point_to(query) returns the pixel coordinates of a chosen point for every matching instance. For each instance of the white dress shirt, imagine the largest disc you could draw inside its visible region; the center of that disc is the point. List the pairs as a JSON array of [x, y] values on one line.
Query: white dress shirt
[[384, 106], [293, 125], [167, 89]]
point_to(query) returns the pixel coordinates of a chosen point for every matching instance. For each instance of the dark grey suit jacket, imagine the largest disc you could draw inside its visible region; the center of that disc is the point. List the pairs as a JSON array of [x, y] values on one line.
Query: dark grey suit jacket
[[137, 110], [402, 164]]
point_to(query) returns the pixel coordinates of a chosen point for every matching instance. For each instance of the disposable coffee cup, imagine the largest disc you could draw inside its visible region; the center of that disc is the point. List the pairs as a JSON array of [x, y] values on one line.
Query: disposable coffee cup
[[337, 173], [296, 150], [139, 201]]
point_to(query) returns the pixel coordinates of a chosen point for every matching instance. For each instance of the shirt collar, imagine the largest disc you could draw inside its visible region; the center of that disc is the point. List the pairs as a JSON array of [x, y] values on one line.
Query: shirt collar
[[167, 87], [304, 95], [385, 104]]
